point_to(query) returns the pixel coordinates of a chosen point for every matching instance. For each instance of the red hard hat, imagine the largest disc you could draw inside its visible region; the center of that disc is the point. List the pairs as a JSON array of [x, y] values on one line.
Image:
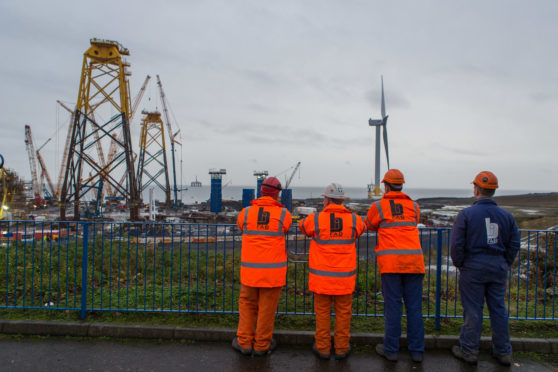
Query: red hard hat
[[394, 176], [271, 187], [486, 180]]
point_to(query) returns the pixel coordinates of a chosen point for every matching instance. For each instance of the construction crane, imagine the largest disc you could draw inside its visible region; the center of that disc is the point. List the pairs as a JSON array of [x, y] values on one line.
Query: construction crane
[[139, 96], [44, 172], [33, 165], [290, 179], [66, 149], [171, 136]]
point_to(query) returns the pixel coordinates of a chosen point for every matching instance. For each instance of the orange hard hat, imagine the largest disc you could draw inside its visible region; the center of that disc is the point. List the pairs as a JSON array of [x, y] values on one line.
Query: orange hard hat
[[271, 187], [486, 180], [394, 176]]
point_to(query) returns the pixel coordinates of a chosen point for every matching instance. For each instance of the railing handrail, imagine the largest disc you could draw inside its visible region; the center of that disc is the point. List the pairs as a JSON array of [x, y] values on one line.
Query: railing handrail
[[102, 254]]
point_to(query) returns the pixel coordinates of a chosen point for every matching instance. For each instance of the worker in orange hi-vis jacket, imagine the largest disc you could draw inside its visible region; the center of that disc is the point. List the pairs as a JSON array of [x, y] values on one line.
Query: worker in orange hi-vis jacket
[[401, 263], [332, 269], [263, 269]]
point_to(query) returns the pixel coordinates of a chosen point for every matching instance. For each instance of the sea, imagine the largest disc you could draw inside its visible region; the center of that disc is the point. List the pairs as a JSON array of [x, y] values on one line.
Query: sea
[[196, 195]]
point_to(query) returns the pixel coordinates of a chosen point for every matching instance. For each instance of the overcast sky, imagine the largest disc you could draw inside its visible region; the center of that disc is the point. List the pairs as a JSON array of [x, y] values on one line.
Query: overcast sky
[[261, 85]]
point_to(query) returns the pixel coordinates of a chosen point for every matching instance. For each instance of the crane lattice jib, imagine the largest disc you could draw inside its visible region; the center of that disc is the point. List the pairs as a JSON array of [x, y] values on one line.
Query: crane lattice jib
[[45, 172], [172, 137], [288, 183], [102, 94], [32, 161]]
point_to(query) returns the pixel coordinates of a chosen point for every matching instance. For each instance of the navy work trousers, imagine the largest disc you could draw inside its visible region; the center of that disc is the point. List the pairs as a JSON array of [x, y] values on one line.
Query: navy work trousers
[[474, 286], [408, 287]]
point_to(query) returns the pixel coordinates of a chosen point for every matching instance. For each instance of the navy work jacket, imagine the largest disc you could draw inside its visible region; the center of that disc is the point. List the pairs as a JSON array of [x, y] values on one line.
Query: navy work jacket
[[484, 237]]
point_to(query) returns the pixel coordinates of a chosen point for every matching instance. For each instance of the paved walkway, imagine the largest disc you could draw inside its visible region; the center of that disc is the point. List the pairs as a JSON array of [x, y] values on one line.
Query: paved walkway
[[208, 349], [93, 354]]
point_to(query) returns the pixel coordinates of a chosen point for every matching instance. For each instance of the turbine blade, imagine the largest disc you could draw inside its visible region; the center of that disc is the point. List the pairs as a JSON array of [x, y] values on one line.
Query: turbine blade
[[383, 100], [386, 143]]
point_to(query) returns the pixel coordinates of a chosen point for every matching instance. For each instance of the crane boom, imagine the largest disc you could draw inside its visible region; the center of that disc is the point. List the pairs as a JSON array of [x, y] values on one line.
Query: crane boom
[[32, 162], [166, 111], [45, 172], [66, 148], [288, 183], [138, 97], [171, 136]]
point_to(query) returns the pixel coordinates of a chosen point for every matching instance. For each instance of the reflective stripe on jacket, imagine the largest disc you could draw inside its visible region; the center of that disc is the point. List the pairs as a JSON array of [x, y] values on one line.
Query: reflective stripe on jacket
[[263, 256], [332, 262], [395, 217]]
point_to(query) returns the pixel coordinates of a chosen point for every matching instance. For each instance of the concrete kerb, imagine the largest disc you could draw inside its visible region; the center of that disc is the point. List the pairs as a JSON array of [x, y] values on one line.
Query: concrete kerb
[[42, 328]]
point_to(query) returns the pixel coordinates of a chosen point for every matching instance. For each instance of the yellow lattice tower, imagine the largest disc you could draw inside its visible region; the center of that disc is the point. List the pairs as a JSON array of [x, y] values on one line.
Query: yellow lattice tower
[[152, 161], [102, 116]]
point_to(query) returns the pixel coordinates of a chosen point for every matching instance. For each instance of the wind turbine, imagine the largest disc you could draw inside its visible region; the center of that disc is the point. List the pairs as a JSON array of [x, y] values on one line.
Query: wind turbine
[[374, 189]]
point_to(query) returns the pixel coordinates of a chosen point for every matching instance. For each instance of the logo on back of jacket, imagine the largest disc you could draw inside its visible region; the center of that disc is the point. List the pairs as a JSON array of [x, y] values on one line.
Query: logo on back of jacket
[[491, 231], [263, 219], [396, 210], [335, 226]]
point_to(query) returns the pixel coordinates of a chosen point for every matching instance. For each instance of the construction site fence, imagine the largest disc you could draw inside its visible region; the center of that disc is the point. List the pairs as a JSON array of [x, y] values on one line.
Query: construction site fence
[[195, 268]]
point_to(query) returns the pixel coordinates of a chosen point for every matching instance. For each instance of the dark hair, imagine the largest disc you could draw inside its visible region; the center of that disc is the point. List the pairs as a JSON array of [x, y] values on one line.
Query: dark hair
[[336, 201], [486, 192], [394, 187]]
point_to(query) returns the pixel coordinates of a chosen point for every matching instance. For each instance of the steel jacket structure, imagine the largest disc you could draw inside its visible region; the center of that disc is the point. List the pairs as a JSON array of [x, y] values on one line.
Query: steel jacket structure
[[332, 262], [395, 217], [263, 256]]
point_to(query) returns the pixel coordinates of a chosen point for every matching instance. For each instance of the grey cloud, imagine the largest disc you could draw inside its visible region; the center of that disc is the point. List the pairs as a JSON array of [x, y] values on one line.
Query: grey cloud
[[458, 151], [259, 108], [544, 96], [258, 75]]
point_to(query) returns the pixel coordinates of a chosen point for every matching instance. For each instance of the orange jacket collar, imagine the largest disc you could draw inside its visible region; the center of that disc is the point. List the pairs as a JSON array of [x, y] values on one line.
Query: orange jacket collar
[[396, 195], [336, 208], [266, 200]]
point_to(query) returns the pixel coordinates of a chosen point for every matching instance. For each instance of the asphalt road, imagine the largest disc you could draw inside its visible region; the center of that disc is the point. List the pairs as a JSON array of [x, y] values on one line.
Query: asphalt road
[[88, 354]]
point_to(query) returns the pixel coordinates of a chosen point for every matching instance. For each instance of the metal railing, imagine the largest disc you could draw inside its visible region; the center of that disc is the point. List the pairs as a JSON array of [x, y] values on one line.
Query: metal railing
[[194, 268]]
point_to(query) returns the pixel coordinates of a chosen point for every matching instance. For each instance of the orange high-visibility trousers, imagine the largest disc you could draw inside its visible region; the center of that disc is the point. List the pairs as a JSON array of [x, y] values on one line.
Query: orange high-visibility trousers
[[257, 307], [341, 333]]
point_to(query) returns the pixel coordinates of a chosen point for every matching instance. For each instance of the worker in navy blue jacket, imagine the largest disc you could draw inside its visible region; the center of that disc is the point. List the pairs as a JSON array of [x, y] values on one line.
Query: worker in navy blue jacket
[[484, 243]]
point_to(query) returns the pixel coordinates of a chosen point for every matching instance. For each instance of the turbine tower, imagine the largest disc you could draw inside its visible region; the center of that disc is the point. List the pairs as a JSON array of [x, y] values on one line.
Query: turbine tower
[[374, 189]]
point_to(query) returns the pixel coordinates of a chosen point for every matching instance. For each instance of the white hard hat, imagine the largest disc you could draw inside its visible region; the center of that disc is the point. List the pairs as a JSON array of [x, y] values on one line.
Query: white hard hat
[[334, 191]]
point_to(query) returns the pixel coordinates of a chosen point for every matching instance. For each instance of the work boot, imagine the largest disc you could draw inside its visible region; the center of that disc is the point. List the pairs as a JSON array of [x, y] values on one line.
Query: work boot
[[317, 352], [272, 346], [241, 350], [380, 350], [344, 355], [417, 357], [504, 360], [460, 354]]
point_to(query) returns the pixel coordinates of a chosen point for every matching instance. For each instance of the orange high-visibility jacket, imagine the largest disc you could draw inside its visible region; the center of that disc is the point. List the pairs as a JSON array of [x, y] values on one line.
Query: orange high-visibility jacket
[[395, 217], [264, 256], [332, 262]]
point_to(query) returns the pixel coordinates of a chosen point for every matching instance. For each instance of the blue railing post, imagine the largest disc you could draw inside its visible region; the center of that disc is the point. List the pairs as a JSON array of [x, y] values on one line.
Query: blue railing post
[[85, 243], [438, 278]]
